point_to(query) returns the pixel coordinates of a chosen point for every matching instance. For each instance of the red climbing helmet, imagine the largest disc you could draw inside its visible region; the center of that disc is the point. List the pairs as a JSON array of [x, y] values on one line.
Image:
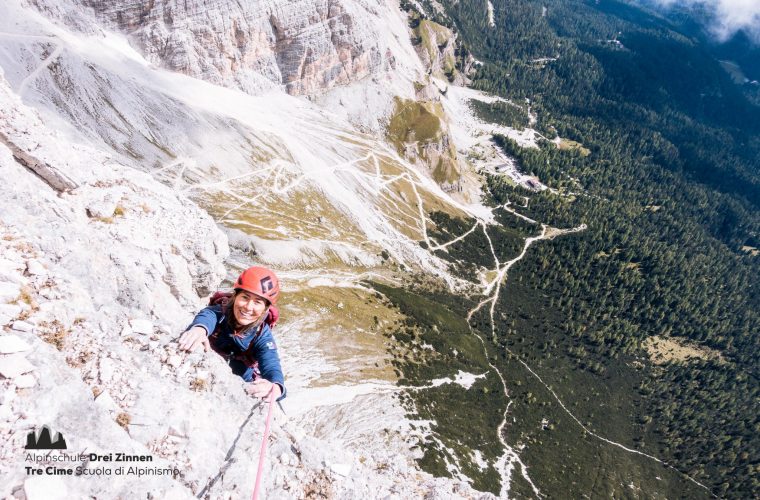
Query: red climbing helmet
[[259, 281]]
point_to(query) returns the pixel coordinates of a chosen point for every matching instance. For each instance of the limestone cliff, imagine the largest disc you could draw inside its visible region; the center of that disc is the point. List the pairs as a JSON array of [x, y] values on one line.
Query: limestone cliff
[[305, 46], [96, 283]]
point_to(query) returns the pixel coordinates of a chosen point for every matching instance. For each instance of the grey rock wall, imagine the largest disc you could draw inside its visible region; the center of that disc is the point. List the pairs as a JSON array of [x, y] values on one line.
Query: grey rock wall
[[305, 46]]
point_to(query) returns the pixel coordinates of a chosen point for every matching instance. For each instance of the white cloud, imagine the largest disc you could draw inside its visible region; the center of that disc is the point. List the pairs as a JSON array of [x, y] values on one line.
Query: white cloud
[[728, 16]]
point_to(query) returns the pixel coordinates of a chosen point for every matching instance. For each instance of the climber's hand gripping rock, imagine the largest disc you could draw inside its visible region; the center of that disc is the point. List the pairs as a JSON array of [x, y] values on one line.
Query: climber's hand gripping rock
[[193, 339]]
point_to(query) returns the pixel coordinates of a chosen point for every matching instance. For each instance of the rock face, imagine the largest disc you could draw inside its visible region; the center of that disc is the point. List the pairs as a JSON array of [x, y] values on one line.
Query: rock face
[[136, 394], [80, 277], [420, 132], [103, 288], [98, 280], [307, 46], [436, 46]]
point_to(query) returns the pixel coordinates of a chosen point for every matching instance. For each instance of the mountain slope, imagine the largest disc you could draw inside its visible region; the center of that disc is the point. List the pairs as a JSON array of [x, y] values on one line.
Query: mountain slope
[[327, 206]]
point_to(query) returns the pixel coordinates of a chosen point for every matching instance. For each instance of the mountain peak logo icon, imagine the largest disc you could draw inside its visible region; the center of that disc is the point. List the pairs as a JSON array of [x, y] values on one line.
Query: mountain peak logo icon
[[43, 440]]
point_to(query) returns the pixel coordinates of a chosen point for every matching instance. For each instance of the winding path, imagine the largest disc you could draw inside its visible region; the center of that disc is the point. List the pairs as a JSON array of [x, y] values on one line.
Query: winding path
[[507, 461], [493, 290]]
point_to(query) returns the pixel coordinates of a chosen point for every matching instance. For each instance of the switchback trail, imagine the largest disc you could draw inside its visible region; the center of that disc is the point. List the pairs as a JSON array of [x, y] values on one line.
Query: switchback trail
[[507, 462], [492, 290]]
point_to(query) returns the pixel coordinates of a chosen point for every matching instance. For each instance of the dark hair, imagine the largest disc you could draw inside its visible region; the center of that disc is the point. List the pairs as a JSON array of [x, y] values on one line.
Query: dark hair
[[229, 312]]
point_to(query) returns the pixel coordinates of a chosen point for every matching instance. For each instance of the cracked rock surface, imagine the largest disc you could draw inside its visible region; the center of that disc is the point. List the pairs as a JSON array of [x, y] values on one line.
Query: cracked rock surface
[[92, 304], [305, 46]]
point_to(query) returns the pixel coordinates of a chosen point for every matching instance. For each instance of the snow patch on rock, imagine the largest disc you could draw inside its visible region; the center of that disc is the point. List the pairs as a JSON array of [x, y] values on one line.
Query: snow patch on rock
[[463, 379]]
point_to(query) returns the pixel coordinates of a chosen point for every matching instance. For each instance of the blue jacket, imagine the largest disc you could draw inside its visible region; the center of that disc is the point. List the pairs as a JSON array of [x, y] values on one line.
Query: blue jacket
[[264, 348]]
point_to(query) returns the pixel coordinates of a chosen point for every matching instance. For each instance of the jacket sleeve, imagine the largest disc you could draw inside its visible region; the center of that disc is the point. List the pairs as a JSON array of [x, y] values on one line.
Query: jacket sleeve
[[208, 318], [265, 351]]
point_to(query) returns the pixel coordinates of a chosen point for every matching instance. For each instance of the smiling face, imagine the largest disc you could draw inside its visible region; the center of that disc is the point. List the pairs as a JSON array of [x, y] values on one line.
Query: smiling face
[[248, 308]]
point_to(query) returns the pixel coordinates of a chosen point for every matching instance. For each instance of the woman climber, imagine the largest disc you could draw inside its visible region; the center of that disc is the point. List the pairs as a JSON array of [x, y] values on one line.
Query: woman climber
[[238, 326]]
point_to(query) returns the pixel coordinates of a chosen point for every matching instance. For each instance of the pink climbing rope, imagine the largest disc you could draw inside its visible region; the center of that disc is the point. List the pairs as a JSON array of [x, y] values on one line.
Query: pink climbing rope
[[263, 451]]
